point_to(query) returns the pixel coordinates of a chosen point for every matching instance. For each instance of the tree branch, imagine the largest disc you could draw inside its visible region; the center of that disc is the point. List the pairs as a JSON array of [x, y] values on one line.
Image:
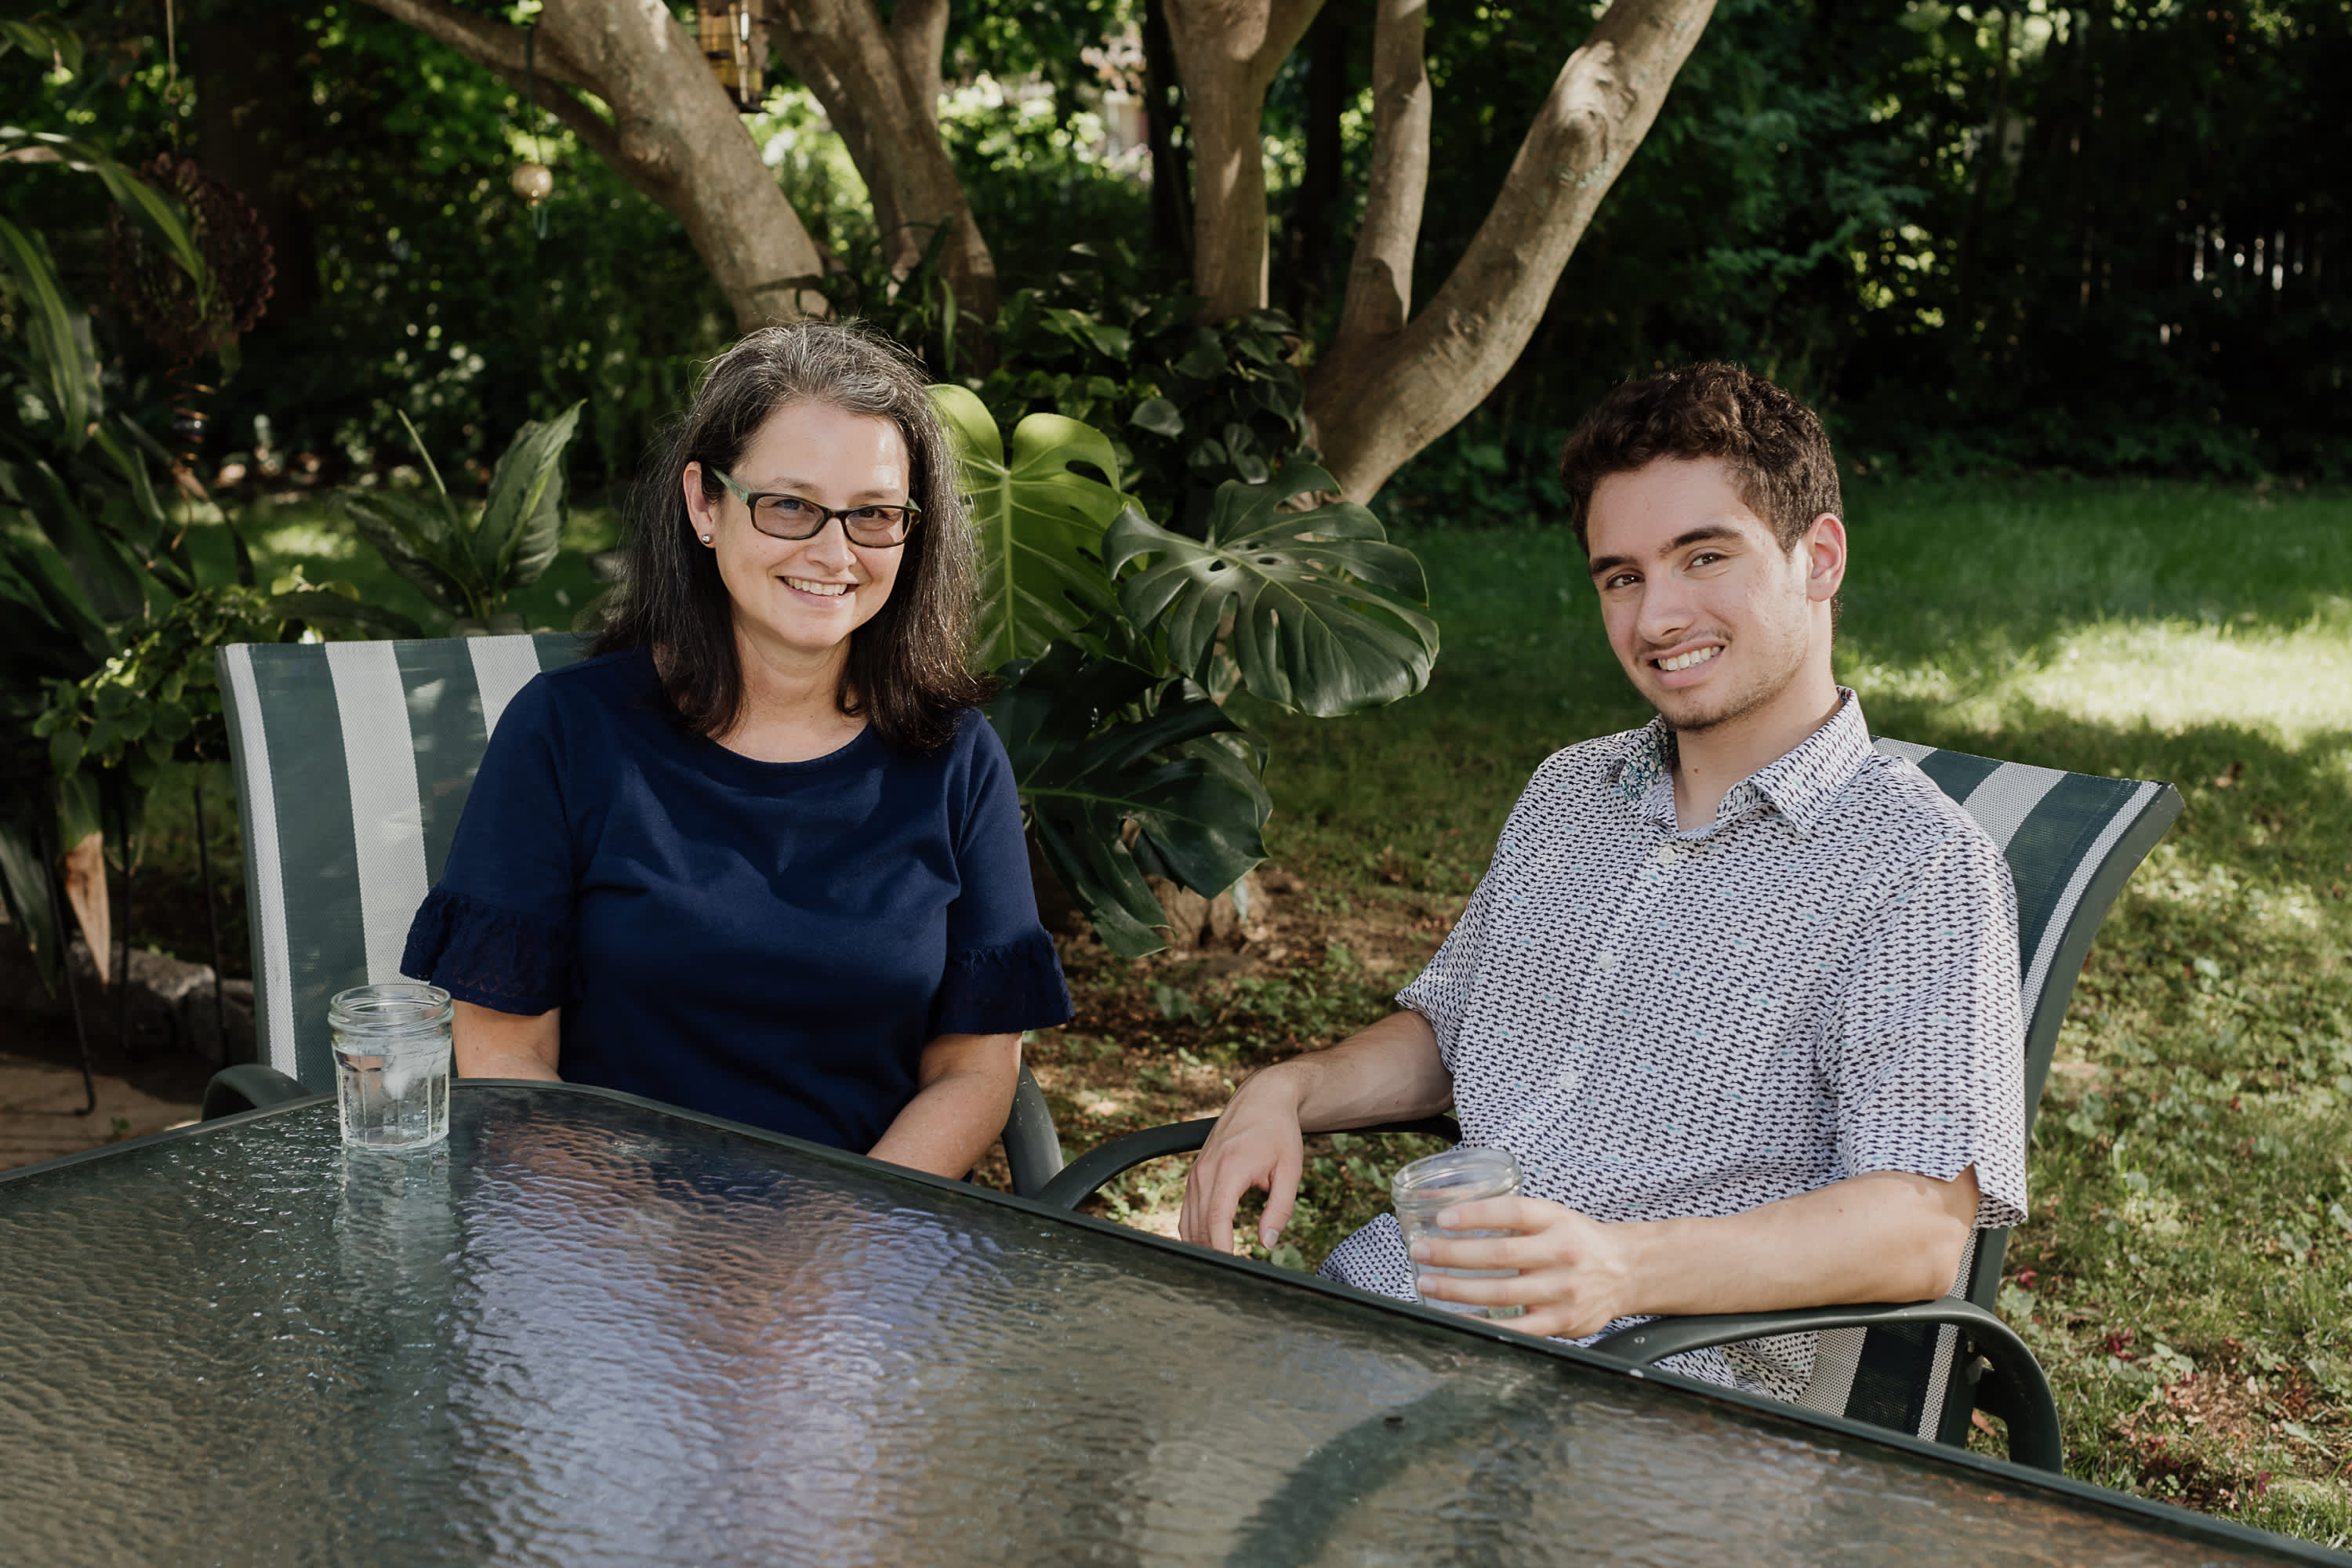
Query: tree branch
[[1376, 402], [674, 133], [919, 37], [498, 44], [1228, 52], [880, 88], [1380, 280]]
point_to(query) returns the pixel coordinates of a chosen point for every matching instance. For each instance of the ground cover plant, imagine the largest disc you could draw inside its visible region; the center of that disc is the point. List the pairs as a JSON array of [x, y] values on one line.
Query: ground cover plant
[[2187, 1274]]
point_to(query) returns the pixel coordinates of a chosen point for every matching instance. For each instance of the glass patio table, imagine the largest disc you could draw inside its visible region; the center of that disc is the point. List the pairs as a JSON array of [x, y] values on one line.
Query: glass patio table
[[595, 1329]]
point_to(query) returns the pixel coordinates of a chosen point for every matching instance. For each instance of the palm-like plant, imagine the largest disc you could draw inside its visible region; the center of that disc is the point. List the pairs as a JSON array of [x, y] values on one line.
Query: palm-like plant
[[467, 561]]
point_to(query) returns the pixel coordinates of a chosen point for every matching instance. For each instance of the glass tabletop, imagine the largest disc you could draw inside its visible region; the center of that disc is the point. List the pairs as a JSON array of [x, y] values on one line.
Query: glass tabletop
[[589, 1330]]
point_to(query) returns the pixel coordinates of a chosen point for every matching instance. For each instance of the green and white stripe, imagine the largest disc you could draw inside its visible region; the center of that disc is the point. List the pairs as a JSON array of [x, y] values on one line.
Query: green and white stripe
[[2071, 840], [353, 763]]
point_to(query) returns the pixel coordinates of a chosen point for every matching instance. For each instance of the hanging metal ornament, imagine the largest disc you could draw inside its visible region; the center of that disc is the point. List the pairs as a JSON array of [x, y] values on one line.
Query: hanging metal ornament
[[532, 181], [186, 317]]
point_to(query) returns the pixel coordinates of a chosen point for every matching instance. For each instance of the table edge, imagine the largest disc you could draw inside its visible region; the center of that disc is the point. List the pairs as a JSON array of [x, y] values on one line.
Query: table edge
[[2167, 1518]]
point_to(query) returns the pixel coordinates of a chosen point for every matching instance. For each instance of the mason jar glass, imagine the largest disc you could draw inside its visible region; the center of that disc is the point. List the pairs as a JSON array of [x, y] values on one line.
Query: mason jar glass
[[391, 1064], [1422, 1190]]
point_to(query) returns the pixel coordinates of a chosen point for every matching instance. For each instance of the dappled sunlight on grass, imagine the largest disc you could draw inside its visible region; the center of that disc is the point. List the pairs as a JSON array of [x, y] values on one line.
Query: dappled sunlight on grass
[[2168, 675]]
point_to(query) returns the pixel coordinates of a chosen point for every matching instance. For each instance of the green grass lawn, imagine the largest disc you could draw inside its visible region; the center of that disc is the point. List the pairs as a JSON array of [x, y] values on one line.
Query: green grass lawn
[[2186, 1275]]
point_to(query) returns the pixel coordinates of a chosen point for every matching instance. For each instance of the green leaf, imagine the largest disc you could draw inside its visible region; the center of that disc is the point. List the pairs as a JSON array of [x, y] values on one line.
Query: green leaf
[[172, 724], [1039, 523], [1096, 743], [1157, 415], [1325, 616], [418, 540], [57, 332], [1111, 342], [43, 40], [24, 889], [146, 206], [66, 751], [522, 524]]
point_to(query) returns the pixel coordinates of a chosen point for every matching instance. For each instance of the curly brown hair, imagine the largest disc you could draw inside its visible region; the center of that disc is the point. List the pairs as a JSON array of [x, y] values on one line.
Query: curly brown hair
[[1774, 446], [906, 671]]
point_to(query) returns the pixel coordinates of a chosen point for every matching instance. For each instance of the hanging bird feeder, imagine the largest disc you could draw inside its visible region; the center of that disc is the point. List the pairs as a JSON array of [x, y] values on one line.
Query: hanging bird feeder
[[735, 42]]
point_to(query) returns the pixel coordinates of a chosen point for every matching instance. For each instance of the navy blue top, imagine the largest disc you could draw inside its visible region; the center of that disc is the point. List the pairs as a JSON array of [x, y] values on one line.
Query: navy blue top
[[772, 942]]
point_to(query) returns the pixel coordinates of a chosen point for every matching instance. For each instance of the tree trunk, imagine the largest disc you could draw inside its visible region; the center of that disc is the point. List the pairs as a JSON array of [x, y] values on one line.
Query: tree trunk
[[1308, 238], [674, 133], [1228, 51], [1163, 114], [251, 130], [880, 87], [1377, 400]]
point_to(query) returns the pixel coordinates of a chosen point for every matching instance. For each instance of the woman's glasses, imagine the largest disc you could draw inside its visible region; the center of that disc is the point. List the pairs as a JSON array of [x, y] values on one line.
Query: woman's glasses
[[790, 517]]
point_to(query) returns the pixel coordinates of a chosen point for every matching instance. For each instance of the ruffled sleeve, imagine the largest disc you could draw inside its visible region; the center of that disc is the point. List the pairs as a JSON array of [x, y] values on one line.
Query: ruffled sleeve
[[495, 958], [1003, 990], [497, 929], [1002, 975]]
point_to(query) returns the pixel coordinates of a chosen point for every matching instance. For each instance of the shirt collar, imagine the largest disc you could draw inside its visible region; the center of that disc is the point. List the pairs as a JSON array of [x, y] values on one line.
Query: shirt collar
[[1800, 785]]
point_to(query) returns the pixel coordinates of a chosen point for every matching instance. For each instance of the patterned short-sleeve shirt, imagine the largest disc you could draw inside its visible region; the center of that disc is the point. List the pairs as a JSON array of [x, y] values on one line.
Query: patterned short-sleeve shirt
[[1820, 983]]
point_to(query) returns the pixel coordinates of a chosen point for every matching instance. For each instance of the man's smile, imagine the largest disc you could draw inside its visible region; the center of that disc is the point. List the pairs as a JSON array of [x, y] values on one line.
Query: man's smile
[[1689, 661]]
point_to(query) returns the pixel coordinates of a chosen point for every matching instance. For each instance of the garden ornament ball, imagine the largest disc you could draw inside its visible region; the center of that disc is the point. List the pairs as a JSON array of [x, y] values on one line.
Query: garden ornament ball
[[532, 181]]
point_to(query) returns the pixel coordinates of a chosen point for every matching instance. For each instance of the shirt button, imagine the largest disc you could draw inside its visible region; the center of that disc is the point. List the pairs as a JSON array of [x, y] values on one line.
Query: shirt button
[[1568, 1079], [1667, 854], [1605, 959]]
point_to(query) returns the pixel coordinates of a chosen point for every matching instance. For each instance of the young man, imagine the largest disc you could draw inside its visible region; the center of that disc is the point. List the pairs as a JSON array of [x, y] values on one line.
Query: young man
[[1740, 992]]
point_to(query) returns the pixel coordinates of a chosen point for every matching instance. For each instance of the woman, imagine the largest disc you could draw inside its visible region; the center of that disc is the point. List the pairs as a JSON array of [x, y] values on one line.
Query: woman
[[762, 858]]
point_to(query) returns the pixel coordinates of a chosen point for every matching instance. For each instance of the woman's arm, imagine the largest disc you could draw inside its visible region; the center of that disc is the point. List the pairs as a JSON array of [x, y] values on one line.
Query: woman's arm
[[963, 1094], [491, 1044]]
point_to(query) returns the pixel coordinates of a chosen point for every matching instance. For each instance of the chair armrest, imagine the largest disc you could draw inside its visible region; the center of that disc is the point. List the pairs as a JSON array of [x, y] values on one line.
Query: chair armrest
[[1083, 1176], [249, 1086], [2011, 1385], [1033, 1150]]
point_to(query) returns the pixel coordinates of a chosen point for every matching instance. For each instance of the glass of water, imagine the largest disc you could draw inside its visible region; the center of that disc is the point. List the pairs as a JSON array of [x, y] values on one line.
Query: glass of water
[[1423, 1189], [391, 1064]]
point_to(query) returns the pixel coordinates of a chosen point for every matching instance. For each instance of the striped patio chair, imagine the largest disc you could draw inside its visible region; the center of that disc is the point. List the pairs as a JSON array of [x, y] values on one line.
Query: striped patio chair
[[2072, 841], [353, 761]]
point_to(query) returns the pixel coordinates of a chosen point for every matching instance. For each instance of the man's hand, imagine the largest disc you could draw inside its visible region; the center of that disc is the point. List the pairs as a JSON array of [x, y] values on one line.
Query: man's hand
[[1389, 1072], [1256, 1143], [1576, 1274]]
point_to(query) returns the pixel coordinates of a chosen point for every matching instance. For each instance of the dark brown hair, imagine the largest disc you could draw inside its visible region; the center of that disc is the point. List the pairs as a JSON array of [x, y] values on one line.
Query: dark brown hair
[[1774, 446], [906, 671]]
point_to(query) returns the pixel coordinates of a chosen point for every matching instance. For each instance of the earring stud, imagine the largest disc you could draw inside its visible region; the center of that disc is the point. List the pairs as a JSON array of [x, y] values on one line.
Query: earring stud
[[706, 539]]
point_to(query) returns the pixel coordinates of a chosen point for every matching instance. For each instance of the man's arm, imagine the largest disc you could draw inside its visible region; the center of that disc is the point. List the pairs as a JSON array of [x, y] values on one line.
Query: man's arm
[[1389, 1072], [1888, 1236]]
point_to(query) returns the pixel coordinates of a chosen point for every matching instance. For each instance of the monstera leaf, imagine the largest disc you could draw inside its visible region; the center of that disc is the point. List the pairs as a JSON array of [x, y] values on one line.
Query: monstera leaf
[[1040, 525], [1323, 607], [1096, 744]]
